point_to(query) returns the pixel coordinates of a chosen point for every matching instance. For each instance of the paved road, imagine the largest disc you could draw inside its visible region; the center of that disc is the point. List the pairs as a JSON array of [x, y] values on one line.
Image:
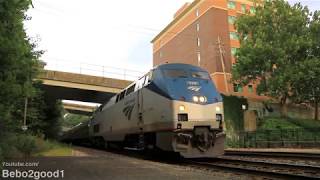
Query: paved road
[[98, 165]]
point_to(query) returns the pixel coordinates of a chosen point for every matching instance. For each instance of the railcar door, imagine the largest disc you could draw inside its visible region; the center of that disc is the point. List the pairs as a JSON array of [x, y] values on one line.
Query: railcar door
[[140, 108], [140, 122], [139, 102]]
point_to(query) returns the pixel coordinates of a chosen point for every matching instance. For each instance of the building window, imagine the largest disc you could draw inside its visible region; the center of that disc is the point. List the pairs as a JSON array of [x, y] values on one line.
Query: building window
[[231, 5], [234, 36], [197, 12], [250, 88], [198, 27], [198, 42], [233, 51], [231, 19], [199, 58], [252, 10], [243, 8], [237, 88]]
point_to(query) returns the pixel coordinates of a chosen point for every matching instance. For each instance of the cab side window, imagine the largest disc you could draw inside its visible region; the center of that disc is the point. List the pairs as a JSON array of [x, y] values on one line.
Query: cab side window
[[130, 89], [148, 78], [118, 97], [140, 83], [122, 95]]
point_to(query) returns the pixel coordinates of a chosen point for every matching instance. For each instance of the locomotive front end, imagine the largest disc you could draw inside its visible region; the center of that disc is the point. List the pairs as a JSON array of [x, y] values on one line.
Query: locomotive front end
[[199, 130], [197, 112]]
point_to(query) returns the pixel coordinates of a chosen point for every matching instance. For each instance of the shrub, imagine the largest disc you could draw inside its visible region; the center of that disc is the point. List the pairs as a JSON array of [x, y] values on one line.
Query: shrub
[[26, 144], [7, 146], [1, 156]]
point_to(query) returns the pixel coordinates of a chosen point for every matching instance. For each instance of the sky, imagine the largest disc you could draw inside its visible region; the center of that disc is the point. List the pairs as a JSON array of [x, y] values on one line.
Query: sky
[[103, 37]]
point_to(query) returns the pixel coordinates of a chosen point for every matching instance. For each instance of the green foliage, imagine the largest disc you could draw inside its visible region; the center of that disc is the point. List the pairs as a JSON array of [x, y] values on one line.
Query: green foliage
[[233, 113], [1, 157], [25, 144], [273, 40], [17, 145], [52, 148], [19, 66], [73, 119], [271, 123], [18, 62], [306, 74], [53, 120], [306, 123]]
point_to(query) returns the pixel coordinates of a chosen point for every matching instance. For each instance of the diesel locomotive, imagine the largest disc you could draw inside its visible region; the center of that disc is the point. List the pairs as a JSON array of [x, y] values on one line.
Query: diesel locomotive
[[173, 107]]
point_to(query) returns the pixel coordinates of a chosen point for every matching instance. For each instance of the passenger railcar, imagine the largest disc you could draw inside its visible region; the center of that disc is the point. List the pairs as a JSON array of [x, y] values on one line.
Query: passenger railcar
[[174, 107]]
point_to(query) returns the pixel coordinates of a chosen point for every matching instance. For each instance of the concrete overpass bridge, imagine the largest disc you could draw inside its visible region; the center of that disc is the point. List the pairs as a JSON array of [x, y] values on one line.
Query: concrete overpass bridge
[[80, 87]]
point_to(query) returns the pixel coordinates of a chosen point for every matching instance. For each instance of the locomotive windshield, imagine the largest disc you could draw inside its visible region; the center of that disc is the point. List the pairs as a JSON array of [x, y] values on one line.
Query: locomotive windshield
[[200, 74], [175, 73]]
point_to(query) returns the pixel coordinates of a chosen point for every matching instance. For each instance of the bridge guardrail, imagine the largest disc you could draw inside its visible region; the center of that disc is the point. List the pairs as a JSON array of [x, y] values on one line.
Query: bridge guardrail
[[92, 69]]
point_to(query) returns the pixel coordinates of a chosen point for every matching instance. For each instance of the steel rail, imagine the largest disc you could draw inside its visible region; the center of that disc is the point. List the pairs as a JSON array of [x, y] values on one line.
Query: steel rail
[[275, 154], [260, 168]]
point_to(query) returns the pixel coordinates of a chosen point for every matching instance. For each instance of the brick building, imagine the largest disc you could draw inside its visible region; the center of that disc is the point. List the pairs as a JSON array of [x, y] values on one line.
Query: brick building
[[202, 33]]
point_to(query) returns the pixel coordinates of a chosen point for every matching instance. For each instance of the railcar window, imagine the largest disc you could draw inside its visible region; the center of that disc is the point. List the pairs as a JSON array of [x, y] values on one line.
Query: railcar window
[[200, 75], [175, 73], [130, 89], [118, 97], [122, 95]]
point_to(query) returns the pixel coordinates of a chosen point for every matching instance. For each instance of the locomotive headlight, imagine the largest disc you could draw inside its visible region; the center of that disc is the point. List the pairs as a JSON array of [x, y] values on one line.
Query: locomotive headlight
[[218, 109], [182, 108], [195, 98], [202, 99]]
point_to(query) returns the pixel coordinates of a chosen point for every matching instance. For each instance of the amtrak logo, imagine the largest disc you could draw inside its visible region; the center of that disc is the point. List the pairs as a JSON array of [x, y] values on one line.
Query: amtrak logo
[[194, 88], [128, 111]]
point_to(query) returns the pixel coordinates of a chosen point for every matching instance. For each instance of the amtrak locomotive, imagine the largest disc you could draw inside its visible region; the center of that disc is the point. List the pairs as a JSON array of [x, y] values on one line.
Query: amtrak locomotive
[[174, 107]]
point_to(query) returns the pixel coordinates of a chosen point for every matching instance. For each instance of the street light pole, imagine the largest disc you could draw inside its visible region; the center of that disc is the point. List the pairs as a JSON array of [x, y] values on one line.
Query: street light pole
[[24, 127]]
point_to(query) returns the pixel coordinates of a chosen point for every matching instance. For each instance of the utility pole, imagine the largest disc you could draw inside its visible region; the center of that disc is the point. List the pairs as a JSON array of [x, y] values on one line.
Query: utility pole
[[221, 52], [199, 58]]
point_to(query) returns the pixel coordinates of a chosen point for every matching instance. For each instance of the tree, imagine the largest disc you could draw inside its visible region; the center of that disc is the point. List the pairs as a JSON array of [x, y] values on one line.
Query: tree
[[306, 83], [272, 41], [18, 61], [306, 74]]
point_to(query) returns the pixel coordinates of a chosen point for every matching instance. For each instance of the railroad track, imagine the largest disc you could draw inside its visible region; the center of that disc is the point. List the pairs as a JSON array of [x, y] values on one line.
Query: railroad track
[[267, 169], [313, 156]]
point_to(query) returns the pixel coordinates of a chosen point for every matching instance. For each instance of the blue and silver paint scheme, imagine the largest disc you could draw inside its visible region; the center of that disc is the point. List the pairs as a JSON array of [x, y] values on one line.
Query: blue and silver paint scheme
[[201, 116], [161, 106], [185, 87]]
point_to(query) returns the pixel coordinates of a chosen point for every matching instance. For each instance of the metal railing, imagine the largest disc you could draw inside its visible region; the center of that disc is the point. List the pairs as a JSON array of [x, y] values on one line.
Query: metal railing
[[93, 69], [277, 138]]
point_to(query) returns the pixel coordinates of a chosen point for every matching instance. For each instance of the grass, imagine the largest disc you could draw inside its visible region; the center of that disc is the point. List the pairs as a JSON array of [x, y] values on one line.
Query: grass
[[14, 145], [62, 151], [276, 123], [270, 123], [52, 148], [279, 130]]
